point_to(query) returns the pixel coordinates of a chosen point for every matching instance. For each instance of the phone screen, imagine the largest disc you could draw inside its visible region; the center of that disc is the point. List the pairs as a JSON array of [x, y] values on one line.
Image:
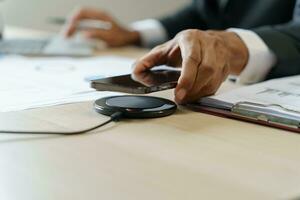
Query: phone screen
[[146, 82]]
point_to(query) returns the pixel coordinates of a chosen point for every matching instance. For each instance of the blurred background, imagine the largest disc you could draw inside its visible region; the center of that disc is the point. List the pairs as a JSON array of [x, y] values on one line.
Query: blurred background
[[34, 13]]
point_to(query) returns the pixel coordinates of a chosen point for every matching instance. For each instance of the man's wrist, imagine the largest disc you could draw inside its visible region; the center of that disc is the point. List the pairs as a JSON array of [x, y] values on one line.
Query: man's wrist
[[261, 58], [238, 52], [133, 38], [151, 32]]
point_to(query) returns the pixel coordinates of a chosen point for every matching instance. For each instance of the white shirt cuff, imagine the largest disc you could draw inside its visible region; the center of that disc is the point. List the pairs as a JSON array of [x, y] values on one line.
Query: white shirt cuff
[[261, 58], [152, 32]]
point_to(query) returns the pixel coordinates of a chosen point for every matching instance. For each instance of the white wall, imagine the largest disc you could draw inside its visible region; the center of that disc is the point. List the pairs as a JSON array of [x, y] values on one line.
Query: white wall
[[34, 13]]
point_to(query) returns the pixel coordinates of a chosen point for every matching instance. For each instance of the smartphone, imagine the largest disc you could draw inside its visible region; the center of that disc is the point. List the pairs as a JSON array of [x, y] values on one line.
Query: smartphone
[[143, 83]]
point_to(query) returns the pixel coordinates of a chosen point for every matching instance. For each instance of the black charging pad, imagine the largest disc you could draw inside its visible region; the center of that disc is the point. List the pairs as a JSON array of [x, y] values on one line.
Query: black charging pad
[[135, 106]]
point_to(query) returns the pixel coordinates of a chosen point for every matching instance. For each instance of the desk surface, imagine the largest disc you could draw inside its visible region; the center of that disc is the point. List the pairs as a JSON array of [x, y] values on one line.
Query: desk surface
[[185, 156]]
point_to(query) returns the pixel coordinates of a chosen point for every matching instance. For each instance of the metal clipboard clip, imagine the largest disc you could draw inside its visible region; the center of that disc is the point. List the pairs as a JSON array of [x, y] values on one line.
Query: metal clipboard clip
[[273, 114]]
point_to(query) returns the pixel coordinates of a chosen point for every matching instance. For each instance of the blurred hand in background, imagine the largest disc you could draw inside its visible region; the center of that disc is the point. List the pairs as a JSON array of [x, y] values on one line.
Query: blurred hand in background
[[116, 36]]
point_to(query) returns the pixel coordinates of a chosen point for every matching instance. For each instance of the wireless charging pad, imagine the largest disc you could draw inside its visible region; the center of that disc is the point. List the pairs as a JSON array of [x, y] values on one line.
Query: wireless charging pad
[[135, 106]]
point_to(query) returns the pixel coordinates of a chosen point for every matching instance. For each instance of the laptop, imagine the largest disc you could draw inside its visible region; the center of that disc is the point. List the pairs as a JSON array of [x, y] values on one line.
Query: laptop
[[56, 46]]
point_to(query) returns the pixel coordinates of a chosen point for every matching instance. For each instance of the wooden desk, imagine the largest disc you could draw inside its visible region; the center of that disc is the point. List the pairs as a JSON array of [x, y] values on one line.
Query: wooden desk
[[185, 156]]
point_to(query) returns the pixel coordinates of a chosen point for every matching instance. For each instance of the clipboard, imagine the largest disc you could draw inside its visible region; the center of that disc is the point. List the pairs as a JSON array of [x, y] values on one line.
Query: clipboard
[[268, 115]]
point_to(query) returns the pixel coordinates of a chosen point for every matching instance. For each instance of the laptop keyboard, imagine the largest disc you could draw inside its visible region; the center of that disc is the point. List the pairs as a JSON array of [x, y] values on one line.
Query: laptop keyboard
[[22, 46]]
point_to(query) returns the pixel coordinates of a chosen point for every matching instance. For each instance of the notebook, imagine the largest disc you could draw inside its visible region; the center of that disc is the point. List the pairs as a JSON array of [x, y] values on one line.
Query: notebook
[[274, 103]]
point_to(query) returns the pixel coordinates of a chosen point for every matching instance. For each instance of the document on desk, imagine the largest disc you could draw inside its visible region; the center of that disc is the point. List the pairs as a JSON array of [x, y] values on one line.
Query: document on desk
[[27, 83], [284, 92], [274, 103]]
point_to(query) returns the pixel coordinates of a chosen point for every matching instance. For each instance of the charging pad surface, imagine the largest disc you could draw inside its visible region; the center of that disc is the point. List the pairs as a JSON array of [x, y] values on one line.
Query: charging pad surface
[[135, 106]]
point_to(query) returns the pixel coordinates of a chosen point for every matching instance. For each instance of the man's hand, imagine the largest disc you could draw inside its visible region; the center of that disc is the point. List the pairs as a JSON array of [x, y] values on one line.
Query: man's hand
[[116, 36], [206, 58]]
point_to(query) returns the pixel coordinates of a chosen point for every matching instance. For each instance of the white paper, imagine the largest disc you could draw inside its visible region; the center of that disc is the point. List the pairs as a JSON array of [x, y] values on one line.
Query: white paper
[[27, 83], [284, 92]]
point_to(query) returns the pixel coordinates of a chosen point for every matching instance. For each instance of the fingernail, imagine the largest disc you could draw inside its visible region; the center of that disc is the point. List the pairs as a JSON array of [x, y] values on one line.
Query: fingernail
[[181, 94]]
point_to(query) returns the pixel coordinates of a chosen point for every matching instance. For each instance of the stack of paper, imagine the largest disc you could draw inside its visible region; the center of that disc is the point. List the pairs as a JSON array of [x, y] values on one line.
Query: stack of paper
[[283, 92], [27, 83]]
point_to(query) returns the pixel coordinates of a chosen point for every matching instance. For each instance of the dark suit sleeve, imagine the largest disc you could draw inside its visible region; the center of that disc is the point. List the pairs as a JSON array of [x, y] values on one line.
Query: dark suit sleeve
[[284, 41], [187, 18]]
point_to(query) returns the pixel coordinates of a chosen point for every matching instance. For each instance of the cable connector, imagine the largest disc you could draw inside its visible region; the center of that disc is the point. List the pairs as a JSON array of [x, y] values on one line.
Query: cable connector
[[116, 116]]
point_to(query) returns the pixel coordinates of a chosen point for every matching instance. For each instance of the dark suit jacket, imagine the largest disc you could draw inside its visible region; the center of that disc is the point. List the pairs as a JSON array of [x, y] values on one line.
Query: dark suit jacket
[[272, 20]]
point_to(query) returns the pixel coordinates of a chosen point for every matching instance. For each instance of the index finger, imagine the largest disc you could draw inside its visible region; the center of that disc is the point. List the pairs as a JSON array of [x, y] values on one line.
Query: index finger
[[72, 22], [191, 59]]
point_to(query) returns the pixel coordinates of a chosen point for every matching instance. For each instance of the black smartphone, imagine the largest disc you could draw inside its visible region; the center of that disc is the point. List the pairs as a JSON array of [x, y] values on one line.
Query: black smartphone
[[143, 83]]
